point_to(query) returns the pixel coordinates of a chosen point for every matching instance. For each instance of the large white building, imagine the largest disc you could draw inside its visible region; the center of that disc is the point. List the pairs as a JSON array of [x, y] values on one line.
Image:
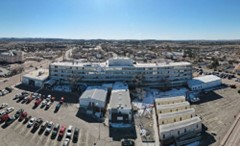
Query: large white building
[[123, 70], [12, 56], [120, 108], [204, 82]]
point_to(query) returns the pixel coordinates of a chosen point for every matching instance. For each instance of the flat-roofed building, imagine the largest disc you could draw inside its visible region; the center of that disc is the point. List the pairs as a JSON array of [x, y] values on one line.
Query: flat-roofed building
[[169, 100], [121, 69], [120, 108], [11, 56], [178, 129], [172, 117], [166, 108], [94, 97], [204, 82], [35, 78]]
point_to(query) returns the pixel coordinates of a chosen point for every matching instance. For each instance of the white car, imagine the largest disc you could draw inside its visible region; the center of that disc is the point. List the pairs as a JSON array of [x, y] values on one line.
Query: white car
[[66, 142], [69, 131], [2, 112], [31, 122], [49, 127], [3, 105], [44, 102], [10, 109]]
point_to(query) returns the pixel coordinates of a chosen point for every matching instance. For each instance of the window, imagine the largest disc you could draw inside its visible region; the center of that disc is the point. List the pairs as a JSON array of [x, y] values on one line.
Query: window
[[178, 132], [162, 122], [185, 107], [174, 120], [180, 118], [185, 130], [197, 126], [163, 136]]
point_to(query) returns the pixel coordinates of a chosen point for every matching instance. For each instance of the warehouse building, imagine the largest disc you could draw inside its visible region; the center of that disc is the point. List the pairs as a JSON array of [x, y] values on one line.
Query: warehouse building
[[121, 69], [204, 82], [93, 98], [172, 117], [166, 108], [35, 78], [169, 100], [120, 108], [181, 128]]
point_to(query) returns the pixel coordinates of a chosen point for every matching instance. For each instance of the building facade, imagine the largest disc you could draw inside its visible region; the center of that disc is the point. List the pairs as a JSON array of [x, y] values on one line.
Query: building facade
[[204, 82], [123, 70], [36, 78], [12, 56]]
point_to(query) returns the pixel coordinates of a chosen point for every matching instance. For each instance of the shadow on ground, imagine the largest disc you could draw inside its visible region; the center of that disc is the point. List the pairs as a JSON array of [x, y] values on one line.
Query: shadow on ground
[[118, 134], [69, 97], [207, 138], [86, 117]]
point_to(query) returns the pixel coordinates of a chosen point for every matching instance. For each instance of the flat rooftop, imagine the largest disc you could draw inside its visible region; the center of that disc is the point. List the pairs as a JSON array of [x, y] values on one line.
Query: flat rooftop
[[203, 79], [95, 92], [120, 96], [174, 105], [106, 64], [177, 113], [170, 98], [179, 124], [40, 74]]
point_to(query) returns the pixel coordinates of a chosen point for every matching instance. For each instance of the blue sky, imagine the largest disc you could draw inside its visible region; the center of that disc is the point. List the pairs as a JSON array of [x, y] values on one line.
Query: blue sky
[[121, 19]]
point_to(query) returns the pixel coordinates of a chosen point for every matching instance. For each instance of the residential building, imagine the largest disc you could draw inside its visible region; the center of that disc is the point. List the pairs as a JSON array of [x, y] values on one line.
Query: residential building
[[166, 108], [11, 56], [124, 70], [169, 100]]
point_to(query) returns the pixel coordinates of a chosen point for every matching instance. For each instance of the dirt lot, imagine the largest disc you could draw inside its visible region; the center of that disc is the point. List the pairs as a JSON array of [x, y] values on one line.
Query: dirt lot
[[18, 134], [217, 110]]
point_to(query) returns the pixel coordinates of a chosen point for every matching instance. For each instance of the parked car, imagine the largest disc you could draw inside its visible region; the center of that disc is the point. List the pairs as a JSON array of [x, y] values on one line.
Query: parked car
[[66, 142], [10, 109], [69, 132], [3, 105], [62, 100], [48, 104], [9, 89], [31, 122], [27, 118], [37, 102], [30, 98], [2, 112], [62, 131], [17, 96], [18, 113], [55, 131], [49, 128], [38, 122], [43, 103], [75, 134], [57, 106], [1, 94], [10, 120], [23, 115], [44, 125], [127, 142], [4, 118]]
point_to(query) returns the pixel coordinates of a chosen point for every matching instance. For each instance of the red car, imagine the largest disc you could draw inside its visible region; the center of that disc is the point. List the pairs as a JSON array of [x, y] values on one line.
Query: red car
[[62, 131], [23, 115], [38, 101], [4, 117], [62, 99]]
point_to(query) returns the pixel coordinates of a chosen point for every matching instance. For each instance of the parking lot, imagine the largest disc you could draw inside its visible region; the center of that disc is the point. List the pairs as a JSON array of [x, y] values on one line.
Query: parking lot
[[217, 110], [18, 134]]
